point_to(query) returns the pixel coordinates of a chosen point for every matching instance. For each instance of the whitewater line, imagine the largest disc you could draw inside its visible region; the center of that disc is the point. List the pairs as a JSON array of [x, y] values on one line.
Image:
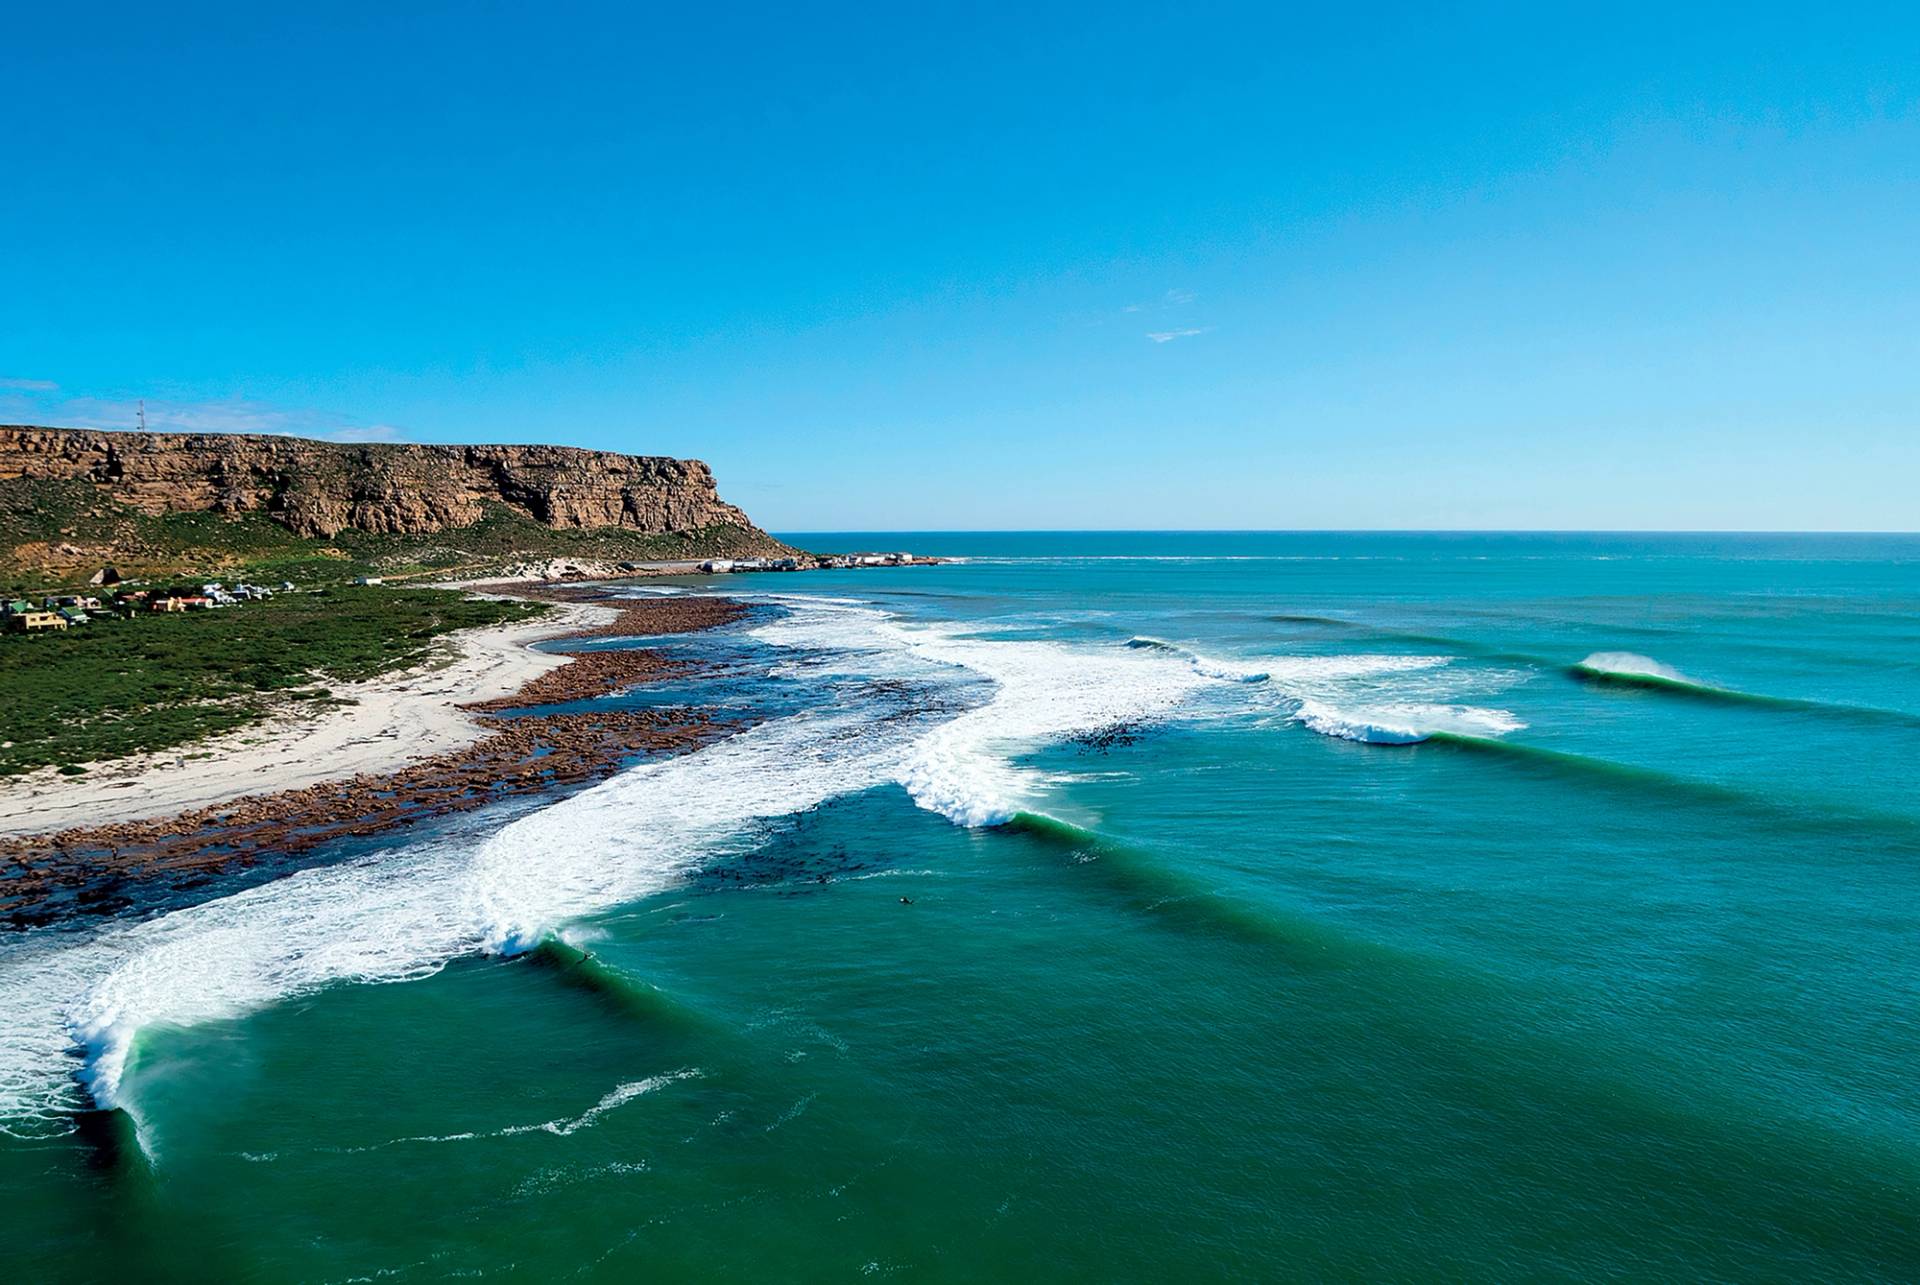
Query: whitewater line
[[403, 913], [886, 716]]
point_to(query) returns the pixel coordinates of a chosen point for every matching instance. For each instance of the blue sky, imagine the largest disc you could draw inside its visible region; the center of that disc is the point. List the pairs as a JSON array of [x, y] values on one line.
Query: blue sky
[[1104, 266]]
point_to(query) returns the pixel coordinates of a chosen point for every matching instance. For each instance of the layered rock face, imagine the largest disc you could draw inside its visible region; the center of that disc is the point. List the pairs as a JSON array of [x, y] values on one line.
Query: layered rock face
[[324, 488]]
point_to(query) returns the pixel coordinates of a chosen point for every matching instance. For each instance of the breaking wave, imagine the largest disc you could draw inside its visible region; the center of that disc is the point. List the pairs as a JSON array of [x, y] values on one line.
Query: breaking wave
[[1626, 669], [584, 970], [941, 713], [1404, 724], [1044, 692], [1386, 699], [1225, 670], [403, 913], [1630, 667]]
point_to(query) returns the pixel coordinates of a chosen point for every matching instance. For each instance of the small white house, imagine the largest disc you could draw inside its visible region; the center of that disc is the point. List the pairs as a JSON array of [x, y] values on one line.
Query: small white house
[[717, 565]]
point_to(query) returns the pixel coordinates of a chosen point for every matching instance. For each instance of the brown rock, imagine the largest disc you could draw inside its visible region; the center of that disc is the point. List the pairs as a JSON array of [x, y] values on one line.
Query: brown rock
[[324, 488], [91, 869]]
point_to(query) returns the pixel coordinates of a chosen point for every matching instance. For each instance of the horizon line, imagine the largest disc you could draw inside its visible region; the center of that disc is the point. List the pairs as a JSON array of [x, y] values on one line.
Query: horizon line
[[1758, 531]]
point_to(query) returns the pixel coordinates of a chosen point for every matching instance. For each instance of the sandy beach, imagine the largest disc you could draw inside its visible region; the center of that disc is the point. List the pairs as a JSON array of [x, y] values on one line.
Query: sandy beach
[[478, 726], [393, 720]]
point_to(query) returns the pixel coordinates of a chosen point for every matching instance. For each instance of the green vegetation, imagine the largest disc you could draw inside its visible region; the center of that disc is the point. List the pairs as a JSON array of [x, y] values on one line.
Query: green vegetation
[[118, 687], [59, 533]]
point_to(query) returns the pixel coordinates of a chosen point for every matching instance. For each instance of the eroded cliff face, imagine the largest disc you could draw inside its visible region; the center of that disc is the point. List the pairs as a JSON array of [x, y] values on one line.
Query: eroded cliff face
[[324, 488]]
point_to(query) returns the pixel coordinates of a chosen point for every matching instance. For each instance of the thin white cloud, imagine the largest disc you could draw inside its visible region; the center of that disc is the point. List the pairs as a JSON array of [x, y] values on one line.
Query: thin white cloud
[[234, 415], [29, 385], [1178, 298], [1168, 336], [370, 433]]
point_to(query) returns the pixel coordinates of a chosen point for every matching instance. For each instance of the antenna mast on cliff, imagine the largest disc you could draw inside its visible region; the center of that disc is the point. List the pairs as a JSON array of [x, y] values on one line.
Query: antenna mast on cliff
[[143, 414]]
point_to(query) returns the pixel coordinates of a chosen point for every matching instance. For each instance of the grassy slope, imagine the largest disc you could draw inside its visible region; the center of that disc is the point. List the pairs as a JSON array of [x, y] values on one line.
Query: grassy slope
[[118, 687], [38, 518]]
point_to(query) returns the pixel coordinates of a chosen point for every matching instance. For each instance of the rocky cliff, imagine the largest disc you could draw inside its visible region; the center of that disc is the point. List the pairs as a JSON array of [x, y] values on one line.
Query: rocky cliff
[[320, 489]]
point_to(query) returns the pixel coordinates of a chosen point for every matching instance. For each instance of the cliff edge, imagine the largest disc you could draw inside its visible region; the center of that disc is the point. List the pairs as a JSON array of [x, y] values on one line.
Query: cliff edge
[[73, 499], [319, 489]]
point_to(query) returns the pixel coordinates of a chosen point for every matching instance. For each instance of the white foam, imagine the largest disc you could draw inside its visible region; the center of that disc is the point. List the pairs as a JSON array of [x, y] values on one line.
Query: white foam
[[1347, 726], [1314, 671], [1631, 663], [404, 912], [1227, 670], [1044, 692], [1389, 699], [612, 1100], [1403, 723], [380, 919], [644, 830]]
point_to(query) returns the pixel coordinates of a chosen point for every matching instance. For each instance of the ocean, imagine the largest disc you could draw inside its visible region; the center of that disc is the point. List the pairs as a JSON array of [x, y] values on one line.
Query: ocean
[[1092, 907]]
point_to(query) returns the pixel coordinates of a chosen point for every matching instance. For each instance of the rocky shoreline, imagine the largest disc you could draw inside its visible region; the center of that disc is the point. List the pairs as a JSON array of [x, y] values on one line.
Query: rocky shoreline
[[105, 869]]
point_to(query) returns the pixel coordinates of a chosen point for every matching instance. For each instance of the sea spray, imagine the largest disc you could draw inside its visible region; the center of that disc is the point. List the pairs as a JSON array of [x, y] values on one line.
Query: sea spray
[[1627, 664], [1643, 673], [1405, 723]]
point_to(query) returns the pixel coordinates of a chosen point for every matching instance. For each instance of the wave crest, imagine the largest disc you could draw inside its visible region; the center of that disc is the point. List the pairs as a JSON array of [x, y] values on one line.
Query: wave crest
[[1627, 664], [942, 713], [1404, 723]]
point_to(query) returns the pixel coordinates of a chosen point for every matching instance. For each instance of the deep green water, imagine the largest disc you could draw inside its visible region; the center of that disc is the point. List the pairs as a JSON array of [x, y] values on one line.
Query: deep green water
[[1601, 972]]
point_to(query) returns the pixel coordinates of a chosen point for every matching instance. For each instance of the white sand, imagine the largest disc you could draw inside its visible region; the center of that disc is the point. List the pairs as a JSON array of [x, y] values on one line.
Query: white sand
[[398, 718]]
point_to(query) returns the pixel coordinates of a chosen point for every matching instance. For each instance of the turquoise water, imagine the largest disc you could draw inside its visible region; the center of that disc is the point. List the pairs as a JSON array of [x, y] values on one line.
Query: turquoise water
[[1275, 906]]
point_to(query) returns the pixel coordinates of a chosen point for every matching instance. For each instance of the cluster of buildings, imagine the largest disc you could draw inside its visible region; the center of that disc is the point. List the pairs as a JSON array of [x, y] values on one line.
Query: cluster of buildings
[[718, 565], [62, 612], [837, 560], [20, 616]]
